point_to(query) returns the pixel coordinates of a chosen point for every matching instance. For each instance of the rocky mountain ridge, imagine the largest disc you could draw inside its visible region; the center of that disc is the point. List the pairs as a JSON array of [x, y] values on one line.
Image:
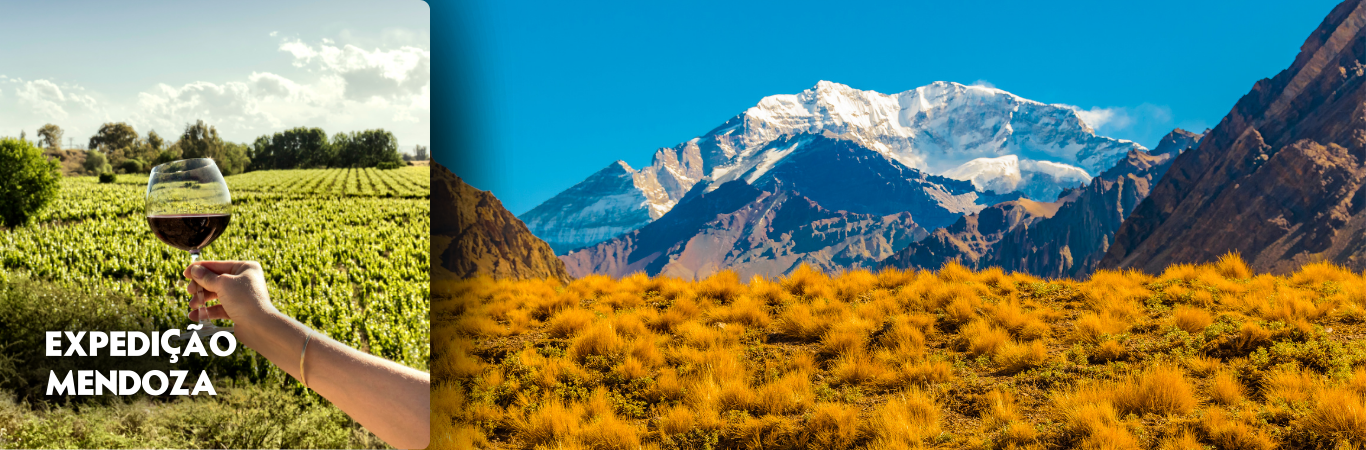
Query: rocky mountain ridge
[[473, 234], [1280, 179]]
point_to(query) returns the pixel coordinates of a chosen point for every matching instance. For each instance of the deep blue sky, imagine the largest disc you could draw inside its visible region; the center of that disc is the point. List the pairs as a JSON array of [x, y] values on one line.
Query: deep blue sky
[[559, 90]]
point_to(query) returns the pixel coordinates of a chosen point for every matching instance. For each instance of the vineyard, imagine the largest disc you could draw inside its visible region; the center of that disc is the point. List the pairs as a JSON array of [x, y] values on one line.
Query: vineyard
[[1207, 356], [345, 250]]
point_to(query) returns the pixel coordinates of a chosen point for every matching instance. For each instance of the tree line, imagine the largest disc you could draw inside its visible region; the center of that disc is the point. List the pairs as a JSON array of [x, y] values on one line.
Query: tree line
[[117, 147]]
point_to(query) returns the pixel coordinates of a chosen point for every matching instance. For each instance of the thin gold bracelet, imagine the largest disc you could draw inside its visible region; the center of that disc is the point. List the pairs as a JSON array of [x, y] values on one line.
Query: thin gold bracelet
[[308, 335]]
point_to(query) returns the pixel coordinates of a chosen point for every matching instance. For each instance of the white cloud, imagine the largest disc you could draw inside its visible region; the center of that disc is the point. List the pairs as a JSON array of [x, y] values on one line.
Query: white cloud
[[1145, 123], [335, 87], [46, 99], [983, 83], [229, 107], [396, 74], [1099, 118], [274, 33]]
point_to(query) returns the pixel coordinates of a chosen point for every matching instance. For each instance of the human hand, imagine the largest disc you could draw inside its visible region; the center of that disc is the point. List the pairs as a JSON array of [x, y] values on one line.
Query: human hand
[[239, 286]]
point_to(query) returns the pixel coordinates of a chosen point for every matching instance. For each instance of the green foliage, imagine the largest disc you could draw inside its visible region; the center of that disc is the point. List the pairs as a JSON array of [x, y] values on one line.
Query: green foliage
[[113, 136], [353, 266], [95, 161], [296, 148], [132, 166], [200, 140], [240, 416], [154, 140], [388, 165], [164, 157], [365, 148], [107, 177], [28, 181], [50, 136]]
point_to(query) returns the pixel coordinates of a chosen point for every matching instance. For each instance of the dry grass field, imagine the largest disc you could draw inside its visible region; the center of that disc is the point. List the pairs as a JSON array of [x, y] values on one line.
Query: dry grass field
[[1196, 357]]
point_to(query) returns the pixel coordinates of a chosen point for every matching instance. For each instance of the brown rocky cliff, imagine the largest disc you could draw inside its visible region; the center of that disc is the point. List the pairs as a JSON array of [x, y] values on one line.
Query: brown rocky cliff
[[972, 239], [1279, 179], [474, 234]]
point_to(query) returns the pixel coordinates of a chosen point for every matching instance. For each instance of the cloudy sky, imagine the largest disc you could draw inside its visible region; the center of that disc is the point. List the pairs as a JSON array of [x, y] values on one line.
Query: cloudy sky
[[248, 68]]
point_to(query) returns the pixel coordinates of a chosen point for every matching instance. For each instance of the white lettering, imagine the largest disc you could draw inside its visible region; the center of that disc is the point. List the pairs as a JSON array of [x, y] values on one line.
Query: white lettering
[[66, 385]]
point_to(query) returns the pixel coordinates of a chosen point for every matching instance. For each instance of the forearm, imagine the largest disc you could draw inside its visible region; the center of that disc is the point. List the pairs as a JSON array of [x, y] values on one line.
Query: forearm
[[389, 399]]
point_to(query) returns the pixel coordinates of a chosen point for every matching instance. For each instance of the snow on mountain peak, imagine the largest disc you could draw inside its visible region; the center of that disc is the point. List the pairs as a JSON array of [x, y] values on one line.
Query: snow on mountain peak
[[935, 127], [998, 140]]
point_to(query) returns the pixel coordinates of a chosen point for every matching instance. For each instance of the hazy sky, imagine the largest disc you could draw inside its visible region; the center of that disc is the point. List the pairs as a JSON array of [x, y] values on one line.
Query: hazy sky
[[246, 67], [565, 88]]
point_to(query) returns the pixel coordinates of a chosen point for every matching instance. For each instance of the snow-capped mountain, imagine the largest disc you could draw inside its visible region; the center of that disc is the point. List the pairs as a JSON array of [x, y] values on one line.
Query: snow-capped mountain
[[941, 129]]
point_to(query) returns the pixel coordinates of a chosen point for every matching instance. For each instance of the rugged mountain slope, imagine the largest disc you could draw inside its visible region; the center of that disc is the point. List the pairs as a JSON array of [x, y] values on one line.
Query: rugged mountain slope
[[1066, 238], [1279, 179], [939, 128], [474, 234], [972, 239], [772, 218]]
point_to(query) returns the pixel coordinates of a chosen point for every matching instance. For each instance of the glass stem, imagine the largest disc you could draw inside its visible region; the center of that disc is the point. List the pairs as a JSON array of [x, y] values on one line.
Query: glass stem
[[203, 311]]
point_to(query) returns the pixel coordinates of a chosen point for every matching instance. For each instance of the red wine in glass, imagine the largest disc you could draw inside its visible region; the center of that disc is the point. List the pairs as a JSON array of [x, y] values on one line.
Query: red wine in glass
[[188, 206], [189, 232]]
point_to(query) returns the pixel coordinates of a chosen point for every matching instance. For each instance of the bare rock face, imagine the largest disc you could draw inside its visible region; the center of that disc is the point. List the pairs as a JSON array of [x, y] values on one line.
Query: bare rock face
[[973, 238], [828, 202], [1066, 238], [751, 231], [1279, 179], [474, 234]]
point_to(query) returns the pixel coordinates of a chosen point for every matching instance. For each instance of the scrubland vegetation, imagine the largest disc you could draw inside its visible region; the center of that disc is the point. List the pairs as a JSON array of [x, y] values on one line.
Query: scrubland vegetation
[[1198, 356]]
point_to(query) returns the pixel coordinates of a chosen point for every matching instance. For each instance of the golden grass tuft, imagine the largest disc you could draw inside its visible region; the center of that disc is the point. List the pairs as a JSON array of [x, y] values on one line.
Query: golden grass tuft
[[1232, 266], [833, 426], [1095, 425], [1338, 414], [1108, 351], [1192, 320], [569, 322], [905, 421], [1161, 389], [1183, 440], [599, 340], [981, 338], [1017, 357], [926, 373], [1227, 432], [997, 407], [1225, 389], [1290, 385]]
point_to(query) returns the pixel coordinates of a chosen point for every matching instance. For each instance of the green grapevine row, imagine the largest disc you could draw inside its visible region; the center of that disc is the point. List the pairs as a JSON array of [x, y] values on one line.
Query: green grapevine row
[[355, 267]]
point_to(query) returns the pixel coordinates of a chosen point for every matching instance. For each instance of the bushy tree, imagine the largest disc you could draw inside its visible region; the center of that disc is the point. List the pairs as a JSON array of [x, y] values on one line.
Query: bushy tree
[[234, 159], [131, 165], [165, 156], [200, 140], [366, 148], [113, 136], [420, 153], [50, 136], [292, 149], [95, 162], [154, 140], [28, 181]]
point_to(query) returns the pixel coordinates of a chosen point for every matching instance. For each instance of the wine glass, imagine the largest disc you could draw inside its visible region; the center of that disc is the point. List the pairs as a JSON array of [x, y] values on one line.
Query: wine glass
[[188, 206]]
